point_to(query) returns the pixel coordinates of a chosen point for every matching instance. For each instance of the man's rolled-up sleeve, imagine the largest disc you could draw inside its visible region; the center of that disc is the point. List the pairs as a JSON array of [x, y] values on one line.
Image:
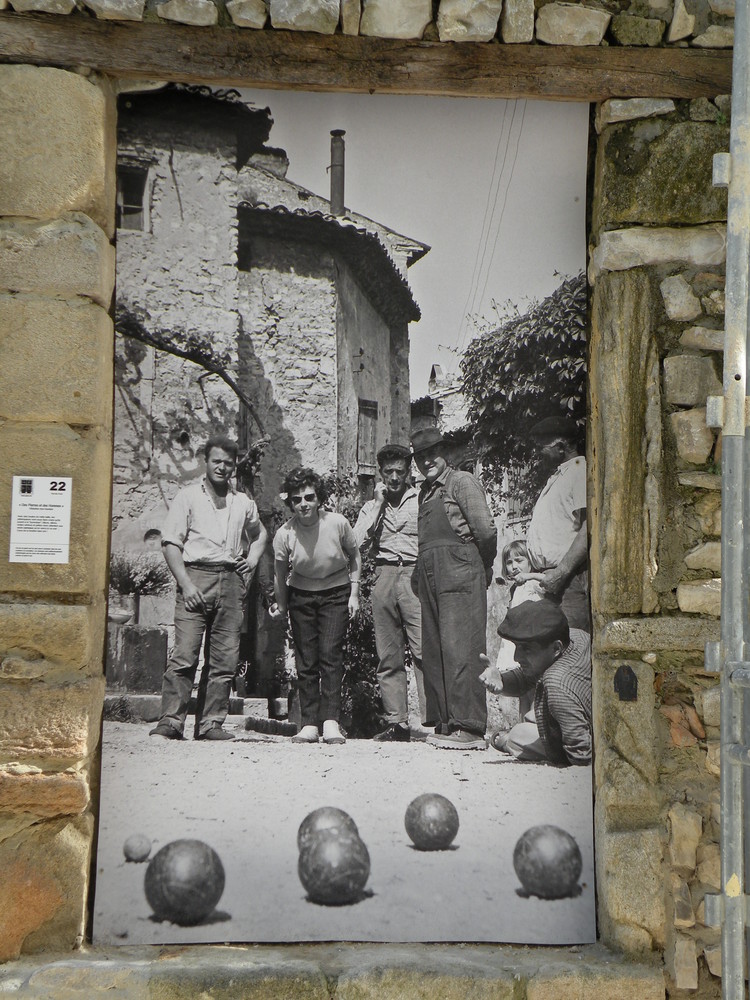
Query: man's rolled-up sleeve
[[177, 522]]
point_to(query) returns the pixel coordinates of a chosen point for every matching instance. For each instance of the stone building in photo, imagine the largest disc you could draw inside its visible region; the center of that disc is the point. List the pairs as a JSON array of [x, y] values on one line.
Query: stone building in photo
[[231, 267]]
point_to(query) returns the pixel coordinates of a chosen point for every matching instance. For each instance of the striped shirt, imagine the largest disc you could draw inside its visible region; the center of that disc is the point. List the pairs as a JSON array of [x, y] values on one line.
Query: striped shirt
[[562, 701], [394, 532]]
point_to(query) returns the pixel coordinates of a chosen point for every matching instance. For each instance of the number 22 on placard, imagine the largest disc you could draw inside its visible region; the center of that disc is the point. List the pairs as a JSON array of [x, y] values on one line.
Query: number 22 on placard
[[57, 487]]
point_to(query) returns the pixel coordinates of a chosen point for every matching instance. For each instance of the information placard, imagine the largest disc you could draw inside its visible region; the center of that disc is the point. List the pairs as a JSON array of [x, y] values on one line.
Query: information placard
[[40, 519]]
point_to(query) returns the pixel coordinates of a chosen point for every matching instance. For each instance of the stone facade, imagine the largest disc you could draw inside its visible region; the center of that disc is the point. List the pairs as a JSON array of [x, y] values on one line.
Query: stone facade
[[655, 522]]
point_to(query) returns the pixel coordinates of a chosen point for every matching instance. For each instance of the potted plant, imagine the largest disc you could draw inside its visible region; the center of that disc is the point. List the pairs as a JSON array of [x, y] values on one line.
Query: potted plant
[[136, 575]]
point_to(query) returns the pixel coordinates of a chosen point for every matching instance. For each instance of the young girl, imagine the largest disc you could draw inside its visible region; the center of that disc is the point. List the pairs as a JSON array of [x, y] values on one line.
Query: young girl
[[524, 586]]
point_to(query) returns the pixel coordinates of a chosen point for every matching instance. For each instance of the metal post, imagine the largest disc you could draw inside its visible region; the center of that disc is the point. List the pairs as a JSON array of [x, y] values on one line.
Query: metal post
[[733, 170]]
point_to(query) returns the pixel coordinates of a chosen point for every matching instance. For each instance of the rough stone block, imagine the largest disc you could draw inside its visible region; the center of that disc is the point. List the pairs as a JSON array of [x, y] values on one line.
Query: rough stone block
[[65, 257], [679, 301], [43, 6], [702, 339], [709, 866], [712, 954], [621, 249], [693, 439], [468, 20], [57, 361], [705, 556], [321, 16], [708, 509], [714, 302], [689, 380], [395, 18], [713, 758], [628, 29], [571, 24], [700, 597], [624, 380], [628, 903], [48, 633], [716, 36], [373, 982], [675, 633], [351, 12], [554, 982], [686, 828], [197, 12], [700, 480], [628, 109], [682, 962], [54, 450], [683, 916], [656, 172], [58, 146], [117, 10], [710, 706], [44, 885], [626, 766], [248, 13], [24, 790], [682, 23], [46, 722], [517, 21], [703, 110]]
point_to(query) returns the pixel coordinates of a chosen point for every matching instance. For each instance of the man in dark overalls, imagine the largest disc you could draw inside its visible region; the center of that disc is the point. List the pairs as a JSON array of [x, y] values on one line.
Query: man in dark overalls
[[457, 547]]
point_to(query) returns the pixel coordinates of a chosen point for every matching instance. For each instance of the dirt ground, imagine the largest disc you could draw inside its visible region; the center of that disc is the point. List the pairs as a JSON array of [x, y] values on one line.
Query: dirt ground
[[247, 798]]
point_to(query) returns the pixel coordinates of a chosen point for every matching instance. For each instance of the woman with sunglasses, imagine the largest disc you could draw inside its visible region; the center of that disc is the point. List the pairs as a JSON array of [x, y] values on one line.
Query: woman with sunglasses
[[316, 579]]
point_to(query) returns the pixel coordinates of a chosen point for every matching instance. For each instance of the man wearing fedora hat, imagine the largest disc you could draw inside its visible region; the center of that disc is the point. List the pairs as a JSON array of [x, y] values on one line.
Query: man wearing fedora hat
[[457, 547], [556, 536], [554, 661], [388, 524]]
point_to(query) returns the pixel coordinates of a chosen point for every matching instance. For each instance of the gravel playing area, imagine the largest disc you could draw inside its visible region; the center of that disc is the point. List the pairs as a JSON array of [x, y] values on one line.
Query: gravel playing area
[[247, 798]]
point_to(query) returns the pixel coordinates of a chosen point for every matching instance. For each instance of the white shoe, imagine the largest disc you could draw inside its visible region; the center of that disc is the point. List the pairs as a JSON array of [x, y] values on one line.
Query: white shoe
[[308, 734], [332, 732]]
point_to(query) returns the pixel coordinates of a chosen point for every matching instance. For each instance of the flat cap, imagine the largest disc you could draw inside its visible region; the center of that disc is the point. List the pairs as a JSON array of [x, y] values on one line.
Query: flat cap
[[532, 620]]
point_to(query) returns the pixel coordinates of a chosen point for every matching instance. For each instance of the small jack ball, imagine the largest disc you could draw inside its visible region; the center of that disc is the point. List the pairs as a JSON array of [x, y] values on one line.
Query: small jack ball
[[324, 818], [184, 882], [548, 862], [334, 868], [431, 821], [137, 847]]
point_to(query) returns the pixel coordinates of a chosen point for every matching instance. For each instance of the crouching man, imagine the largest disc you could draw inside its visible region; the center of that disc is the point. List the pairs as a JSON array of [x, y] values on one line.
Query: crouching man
[[554, 661]]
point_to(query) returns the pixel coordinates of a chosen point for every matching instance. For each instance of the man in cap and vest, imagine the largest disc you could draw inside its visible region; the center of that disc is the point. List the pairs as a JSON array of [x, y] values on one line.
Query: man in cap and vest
[[554, 661], [457, 547], [388, 524], [556, 536]]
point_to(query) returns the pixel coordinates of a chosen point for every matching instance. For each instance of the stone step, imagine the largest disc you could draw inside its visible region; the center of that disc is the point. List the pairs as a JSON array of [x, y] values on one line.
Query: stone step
[[147, 707], [341, 972]]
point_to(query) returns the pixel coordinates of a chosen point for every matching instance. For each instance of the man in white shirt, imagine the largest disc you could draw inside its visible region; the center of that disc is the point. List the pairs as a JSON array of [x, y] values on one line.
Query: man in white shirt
[[388, 523], [556, 537], [212, 541]]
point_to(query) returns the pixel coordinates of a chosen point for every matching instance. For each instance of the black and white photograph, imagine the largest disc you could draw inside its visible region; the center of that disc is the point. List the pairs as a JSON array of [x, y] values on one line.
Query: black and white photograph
[[349, 541]]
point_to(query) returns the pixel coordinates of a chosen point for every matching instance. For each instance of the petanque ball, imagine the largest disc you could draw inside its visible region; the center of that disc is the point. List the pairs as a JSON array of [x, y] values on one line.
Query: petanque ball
[[325, 818], [184, 882], [431, 821], [548, 862], [334, 867], [137, 847]]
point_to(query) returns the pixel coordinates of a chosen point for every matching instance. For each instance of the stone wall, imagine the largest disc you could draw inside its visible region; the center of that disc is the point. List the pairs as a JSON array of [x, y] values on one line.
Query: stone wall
[[57, 162], [657, 266]]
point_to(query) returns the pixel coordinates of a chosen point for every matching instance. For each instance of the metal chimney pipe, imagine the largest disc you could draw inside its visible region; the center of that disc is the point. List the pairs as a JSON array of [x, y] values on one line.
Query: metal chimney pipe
[[337, 171]]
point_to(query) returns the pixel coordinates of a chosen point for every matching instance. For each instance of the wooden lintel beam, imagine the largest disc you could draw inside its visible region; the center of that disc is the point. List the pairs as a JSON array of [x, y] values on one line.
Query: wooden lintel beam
[[223, 56]]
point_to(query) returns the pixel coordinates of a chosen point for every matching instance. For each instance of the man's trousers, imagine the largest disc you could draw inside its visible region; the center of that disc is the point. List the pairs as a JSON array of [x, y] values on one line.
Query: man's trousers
[[397, 618]]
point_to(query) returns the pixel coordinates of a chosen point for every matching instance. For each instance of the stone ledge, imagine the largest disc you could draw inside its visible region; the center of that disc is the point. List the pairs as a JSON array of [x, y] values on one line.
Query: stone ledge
[[642, 635], [331, 971]]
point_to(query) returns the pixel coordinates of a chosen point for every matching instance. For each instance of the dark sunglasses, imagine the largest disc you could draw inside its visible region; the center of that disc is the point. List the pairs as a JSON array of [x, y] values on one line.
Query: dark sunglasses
[[308, 497]]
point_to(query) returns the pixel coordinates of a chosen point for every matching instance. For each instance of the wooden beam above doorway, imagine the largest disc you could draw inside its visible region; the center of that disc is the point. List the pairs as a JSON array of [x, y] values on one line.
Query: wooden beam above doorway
[[230, 57]]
